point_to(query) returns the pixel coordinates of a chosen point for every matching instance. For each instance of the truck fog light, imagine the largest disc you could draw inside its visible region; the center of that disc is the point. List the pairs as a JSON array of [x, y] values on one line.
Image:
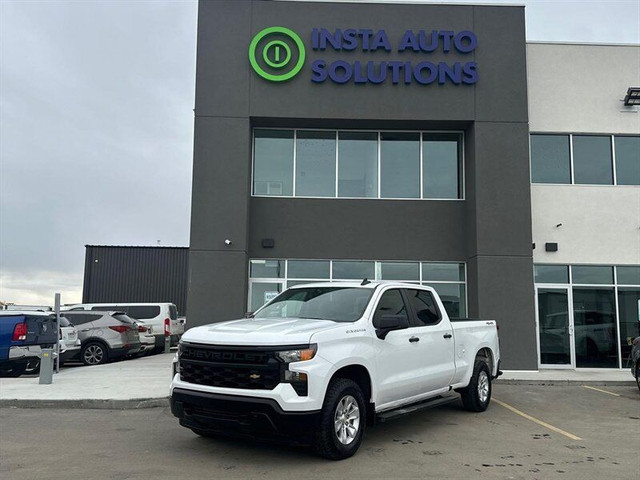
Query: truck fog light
[[298, 381]]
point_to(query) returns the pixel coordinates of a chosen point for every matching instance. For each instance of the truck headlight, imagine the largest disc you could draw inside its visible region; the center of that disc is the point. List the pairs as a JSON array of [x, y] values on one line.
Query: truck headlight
[[289, 356]]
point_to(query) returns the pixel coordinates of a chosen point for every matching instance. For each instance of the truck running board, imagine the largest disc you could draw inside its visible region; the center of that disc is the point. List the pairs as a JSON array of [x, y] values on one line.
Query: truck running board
[[415, 407]]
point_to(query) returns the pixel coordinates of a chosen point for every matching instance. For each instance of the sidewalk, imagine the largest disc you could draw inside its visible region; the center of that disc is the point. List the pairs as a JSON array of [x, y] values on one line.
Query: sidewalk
[[584, 376], [137, 383], [144, 383]]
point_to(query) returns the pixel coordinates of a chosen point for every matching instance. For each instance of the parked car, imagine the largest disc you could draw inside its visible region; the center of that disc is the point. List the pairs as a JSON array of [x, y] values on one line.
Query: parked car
[[22, 335], [320, 361], [105, 336], [159, 316], [635, 360], [69, 346], [147, 339]]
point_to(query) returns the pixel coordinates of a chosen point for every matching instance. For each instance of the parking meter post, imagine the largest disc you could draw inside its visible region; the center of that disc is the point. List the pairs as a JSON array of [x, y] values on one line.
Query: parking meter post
[[57, 310], [167, 335], [46, 366], [167, 344]]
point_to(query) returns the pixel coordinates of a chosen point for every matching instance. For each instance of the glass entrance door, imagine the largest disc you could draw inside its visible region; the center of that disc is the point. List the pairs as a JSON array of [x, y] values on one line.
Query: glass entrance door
[[261, 292], [554, 314]]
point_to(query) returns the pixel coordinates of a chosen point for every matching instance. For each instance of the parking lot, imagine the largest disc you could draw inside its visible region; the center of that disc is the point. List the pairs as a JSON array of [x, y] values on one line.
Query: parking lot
[[530, 432]]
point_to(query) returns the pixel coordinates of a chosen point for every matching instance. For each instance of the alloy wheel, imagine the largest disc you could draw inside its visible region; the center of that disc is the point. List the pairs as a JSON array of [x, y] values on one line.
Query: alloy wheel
[[483, 386], [94, 354], [347, 420]]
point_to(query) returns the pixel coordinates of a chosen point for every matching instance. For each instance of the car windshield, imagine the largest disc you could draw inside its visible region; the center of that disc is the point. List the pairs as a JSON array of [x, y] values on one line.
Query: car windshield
[[339, 304]]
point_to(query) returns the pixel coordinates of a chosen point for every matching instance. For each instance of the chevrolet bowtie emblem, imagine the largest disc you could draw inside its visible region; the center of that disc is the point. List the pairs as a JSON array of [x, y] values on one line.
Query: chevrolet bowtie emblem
[[254, 376]]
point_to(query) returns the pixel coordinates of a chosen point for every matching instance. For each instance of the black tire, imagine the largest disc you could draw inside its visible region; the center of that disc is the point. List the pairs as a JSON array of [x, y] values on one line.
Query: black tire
[[89, 355], [33, 367], [477, 395], [340, 394]]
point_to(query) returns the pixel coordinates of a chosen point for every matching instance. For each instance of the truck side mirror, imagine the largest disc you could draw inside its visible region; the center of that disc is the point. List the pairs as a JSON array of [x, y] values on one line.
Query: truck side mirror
[[387, 323]]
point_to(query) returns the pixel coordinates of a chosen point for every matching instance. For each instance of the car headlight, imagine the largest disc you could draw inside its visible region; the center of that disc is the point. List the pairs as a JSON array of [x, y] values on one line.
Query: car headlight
[[289, 356]]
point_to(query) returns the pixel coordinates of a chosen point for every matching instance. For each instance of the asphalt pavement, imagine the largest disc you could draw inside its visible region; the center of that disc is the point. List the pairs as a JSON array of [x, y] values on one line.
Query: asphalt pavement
[[528, 432]]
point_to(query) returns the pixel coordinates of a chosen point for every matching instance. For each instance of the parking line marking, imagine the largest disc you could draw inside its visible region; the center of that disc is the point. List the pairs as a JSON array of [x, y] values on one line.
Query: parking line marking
[[535, 420], [600, 390]]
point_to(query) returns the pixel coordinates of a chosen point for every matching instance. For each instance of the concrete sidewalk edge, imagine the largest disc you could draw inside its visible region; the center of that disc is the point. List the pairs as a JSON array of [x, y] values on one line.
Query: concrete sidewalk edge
[[104, 404], [549, 382]]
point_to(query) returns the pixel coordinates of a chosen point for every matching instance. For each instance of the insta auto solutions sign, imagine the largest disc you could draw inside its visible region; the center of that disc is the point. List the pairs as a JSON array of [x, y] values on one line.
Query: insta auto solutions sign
[[278, 54]]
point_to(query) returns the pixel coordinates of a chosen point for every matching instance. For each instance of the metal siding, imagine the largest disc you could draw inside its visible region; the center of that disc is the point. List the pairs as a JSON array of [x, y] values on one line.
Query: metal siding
[[136, 274]]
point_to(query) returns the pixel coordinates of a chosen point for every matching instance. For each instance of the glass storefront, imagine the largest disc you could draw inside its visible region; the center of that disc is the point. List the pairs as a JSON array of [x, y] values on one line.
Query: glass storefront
[[267, 278], [587, 315]]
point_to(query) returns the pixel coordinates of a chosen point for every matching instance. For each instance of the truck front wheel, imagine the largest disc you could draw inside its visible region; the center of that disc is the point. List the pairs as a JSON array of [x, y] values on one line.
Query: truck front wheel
[[477, 395], [342, 420]]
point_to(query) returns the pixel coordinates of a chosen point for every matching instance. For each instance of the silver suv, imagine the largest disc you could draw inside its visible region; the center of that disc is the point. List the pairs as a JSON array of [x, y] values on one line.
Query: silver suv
[[105, 336]]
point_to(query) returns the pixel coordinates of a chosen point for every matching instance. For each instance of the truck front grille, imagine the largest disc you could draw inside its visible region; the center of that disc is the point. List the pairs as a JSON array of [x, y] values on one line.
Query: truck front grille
[[230, 367]]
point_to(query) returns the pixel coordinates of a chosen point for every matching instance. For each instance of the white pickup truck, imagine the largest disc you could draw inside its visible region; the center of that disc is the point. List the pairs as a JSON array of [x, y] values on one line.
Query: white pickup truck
[[320, 362]]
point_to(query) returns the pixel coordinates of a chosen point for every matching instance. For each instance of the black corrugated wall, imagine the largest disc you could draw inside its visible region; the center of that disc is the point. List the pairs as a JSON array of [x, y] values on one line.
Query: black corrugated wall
[[136, 274]]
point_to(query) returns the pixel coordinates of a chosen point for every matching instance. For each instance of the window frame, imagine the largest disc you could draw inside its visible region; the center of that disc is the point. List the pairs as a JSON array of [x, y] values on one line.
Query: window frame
[[461, 163], [612, 142]]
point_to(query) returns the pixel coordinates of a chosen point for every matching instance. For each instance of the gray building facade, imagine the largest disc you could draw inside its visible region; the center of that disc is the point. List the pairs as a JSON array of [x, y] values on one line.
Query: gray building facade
[[467, 79]]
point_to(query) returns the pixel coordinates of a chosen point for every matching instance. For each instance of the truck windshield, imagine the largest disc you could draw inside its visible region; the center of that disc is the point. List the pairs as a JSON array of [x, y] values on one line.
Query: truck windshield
[[339, 304]]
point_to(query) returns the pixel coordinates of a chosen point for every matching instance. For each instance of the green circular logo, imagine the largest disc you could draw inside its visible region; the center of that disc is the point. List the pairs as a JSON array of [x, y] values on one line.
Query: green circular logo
[[276, 63]]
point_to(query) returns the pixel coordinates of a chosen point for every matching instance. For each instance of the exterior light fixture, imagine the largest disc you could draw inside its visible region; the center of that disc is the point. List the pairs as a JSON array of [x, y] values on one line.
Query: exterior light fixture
[[632, 97]]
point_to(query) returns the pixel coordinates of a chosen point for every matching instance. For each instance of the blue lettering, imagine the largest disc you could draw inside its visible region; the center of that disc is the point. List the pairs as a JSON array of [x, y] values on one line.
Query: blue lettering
[[365, 34], [350, 36], [381, 41], [395, 71], [470, 70], [407, 73], [358, 77], [333, 38], [446, 35], [340, 77], [445, 71], [409, 40], [431, 44], [314, 39], [417, 73], [319, 74], [465, 41], [371, 72]]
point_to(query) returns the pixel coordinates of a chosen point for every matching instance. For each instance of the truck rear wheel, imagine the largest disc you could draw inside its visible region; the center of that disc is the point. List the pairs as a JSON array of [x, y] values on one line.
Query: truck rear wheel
[[342, 420], [477, 395]]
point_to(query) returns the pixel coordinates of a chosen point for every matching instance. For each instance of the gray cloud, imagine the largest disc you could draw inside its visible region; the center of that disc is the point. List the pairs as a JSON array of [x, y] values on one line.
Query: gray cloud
[[96, 125]]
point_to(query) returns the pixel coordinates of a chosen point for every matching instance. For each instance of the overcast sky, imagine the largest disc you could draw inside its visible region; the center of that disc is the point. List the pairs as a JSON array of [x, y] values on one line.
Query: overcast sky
[[96, 125]]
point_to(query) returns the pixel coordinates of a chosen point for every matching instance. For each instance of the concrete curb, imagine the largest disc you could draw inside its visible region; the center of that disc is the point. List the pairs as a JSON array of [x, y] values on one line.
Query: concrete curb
[[105, 404], [602, 383]]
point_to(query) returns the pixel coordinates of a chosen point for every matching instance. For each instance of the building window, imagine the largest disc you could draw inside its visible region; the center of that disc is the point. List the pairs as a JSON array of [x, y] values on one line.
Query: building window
[[592, 161], [550, 159], [267, 278], [441, 165], [400, 165], [315, 164], [358, 164], [273, 162], [627, 160], [585, 159], [603, 314]]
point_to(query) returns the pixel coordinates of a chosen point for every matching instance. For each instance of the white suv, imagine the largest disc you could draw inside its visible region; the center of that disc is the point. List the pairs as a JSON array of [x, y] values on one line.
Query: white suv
[[160, 317]]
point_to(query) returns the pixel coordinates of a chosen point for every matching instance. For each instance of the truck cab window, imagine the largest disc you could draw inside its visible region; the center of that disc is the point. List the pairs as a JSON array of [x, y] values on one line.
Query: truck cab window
[[391, 303], [424, 306]]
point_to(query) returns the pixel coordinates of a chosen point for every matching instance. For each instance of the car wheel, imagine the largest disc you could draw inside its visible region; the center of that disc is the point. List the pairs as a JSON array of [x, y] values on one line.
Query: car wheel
[[477, 395], [33, 367], [342, 420], [94, 353]]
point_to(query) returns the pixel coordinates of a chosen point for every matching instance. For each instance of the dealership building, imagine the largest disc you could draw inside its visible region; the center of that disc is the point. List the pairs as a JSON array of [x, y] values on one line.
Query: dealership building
[[426, 143]]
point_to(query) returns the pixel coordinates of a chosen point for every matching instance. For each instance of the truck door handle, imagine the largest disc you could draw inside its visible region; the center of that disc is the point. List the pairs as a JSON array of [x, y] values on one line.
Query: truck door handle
[[414, 339], [447, 335]]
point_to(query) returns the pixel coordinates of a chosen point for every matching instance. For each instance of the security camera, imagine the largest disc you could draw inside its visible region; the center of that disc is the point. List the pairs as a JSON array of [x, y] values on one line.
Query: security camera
[[227, 242]]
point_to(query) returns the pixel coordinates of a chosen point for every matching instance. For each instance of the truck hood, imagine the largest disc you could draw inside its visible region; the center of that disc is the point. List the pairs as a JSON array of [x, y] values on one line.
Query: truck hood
[[262, 331]]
